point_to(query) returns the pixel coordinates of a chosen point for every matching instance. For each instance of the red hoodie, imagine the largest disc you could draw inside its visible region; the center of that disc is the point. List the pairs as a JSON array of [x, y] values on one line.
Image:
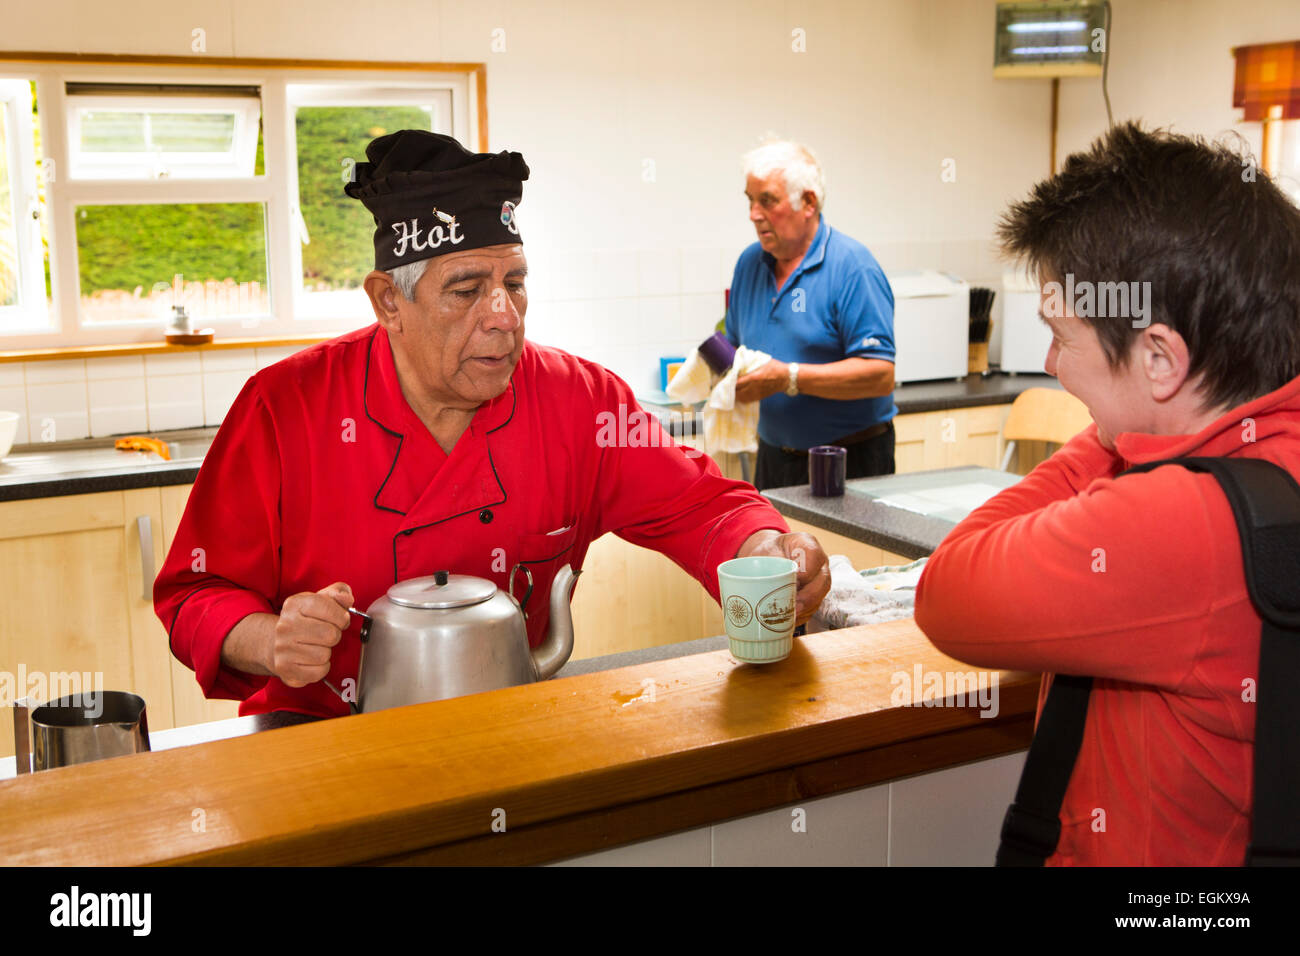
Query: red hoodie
[[1137, 582]]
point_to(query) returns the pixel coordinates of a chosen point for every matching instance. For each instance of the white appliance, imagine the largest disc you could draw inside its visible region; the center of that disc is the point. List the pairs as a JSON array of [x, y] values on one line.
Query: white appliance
[[1025, 338], [931, 325]]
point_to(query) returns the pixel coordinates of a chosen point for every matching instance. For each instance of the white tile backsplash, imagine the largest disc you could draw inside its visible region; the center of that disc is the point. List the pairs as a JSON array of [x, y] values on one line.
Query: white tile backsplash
[[727, 264], [57, 411], [889, 255], [13, 398], [659, 272], [614, 321], [175, 401], [11, 374], [117, 407], [614, 274], [118, 367], [960, 258], [659, 319], [989, 260], [219, 391], [172, 363], [228, 360], [265, 357], [56, 372], [700, 313], [576, 324], [574, 274], [702, 272]]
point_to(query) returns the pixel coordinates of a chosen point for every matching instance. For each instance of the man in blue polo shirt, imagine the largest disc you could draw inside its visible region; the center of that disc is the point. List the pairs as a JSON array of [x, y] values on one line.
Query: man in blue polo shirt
[[819, 304]]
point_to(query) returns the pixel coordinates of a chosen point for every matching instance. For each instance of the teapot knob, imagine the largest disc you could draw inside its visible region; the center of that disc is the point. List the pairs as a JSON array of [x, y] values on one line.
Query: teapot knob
[[440, 578]]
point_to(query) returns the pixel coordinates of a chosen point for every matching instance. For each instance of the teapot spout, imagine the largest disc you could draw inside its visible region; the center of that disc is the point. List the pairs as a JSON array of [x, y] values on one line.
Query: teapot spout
[[554, 651]]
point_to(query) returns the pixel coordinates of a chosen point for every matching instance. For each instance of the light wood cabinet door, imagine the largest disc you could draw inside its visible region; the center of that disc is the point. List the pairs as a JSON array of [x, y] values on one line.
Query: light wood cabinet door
[[860, 555], [79, 615], [949, 438], [630, 597], [190, 706]]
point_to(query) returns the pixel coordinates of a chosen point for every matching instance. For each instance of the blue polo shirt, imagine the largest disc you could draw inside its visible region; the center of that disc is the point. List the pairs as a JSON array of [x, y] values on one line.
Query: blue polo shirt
[[837, 305]]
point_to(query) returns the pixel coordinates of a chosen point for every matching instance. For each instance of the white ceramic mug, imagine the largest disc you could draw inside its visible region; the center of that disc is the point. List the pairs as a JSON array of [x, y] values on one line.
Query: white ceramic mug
[[758, 606]]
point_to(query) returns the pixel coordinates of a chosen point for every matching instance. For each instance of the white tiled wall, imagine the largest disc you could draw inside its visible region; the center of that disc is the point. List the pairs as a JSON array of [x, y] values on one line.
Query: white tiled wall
[[947, 818], [95, 398]]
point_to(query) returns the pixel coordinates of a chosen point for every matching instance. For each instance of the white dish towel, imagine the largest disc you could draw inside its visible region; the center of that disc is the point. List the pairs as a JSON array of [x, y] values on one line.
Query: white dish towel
[[872, 596], [728, 427]]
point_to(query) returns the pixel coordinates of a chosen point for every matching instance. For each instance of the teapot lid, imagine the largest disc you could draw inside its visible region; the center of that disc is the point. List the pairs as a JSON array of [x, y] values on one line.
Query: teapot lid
[[442, 590]]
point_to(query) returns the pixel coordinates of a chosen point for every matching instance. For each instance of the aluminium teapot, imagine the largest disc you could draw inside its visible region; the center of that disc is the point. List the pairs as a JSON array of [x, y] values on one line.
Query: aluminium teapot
[[447, 635]]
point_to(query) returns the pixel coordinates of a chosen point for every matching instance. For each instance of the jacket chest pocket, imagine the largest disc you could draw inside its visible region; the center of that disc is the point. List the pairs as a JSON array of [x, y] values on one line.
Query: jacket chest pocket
[[536, 560]]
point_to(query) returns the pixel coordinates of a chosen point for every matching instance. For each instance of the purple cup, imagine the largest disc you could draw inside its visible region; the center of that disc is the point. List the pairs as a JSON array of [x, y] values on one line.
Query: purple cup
[[718, 353], [826, 469]]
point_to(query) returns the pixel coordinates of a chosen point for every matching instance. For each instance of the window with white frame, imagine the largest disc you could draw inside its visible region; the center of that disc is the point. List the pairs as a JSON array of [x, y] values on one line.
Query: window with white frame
[[216, 190], [143, 131], [24, 305], [331, 125]]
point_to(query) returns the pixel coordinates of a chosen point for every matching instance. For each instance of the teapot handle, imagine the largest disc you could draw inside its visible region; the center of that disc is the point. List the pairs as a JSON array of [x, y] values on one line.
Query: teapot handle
[[366, 621], [523, 604]]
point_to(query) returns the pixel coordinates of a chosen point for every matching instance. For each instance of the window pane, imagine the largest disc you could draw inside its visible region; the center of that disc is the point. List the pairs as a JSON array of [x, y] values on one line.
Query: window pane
[[8, 234], [183, 137], [113, 132], [24, 267], [341, 250], [192, 132], [129, 258]]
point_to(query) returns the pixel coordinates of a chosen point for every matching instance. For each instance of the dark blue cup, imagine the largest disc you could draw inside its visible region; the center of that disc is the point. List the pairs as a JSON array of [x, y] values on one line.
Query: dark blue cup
[[718, 353], [826, 469]]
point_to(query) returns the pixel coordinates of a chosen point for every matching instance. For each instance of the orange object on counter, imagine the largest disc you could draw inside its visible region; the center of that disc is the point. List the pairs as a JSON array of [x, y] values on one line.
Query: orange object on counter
[[141, 443]]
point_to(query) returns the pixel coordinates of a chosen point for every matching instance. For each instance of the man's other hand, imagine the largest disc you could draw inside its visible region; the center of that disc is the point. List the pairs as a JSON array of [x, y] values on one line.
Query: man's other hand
[[762, 382], [814, 574]]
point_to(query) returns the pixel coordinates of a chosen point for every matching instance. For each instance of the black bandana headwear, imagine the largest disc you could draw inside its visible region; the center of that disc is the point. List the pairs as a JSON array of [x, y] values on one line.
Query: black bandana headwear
[[431, 196]]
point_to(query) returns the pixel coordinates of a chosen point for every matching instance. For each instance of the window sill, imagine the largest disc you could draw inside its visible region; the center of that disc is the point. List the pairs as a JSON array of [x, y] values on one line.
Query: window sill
[[156, 348]]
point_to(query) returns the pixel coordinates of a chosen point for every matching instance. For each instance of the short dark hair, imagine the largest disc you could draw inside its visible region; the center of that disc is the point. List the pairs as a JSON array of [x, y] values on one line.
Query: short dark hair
[[1217, 239]]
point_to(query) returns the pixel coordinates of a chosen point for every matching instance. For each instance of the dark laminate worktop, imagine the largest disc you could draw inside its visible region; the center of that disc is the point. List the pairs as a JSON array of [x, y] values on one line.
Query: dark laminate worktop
[[997, 389], [863, 519]]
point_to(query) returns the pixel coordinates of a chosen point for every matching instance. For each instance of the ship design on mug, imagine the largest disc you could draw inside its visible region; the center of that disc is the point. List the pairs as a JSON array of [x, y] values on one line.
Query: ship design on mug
[[738, 611], [776, 609]]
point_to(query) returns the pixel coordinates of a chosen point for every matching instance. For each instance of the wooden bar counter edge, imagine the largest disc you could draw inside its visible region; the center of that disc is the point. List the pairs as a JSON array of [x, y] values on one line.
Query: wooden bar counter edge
[[561, 768]]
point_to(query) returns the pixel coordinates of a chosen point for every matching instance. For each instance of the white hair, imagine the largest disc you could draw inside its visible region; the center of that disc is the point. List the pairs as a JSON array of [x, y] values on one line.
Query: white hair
[[407, 275], [798, 166]]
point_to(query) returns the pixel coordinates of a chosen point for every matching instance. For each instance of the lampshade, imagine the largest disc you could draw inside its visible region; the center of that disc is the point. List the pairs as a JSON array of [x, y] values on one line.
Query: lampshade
[[1268, 75]]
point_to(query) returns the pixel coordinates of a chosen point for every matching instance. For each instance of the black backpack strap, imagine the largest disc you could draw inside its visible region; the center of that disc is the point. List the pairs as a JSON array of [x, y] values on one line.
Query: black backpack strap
[[1032, 826], [1266, 502]]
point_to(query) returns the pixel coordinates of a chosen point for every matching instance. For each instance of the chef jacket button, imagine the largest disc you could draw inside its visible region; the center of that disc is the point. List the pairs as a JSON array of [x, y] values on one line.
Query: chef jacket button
[[485, 516], [409, 533]]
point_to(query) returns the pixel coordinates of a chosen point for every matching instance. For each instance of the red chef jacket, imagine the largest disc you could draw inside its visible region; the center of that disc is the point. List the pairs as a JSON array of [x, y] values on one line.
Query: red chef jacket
[[322, 473], [1138, 582]]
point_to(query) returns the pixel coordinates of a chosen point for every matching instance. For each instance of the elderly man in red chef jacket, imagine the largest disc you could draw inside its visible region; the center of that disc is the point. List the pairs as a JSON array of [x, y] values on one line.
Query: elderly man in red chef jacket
[[436, 439]]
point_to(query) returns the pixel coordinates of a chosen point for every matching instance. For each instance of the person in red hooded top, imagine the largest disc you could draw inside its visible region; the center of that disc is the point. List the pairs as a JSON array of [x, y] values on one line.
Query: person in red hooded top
[[1137, 581], [437, 439]]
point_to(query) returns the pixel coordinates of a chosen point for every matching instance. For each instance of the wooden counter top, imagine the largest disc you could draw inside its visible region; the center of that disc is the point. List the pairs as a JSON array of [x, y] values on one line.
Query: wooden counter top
[[569, 766]]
